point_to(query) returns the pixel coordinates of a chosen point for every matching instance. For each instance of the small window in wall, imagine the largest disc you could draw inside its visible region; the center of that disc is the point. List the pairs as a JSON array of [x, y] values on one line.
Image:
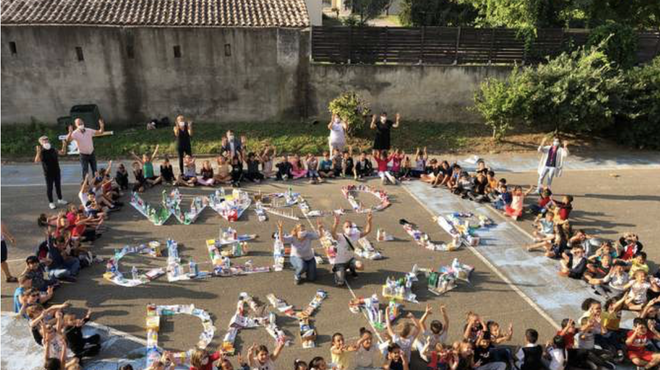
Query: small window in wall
[[12, 48], [130, 51], [79, 54], [227, 50], [177, 51]]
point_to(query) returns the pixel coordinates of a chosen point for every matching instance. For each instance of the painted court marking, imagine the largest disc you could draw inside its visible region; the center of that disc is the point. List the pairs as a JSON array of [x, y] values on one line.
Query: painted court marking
[[501, 275]]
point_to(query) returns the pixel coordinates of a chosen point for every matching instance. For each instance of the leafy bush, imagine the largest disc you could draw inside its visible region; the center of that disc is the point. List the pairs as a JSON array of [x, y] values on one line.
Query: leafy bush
[[575, 92], [619, 43], [638, 122], [351, 108]]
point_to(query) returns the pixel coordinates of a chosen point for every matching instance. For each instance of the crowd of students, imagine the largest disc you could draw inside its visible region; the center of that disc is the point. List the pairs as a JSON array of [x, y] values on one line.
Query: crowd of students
[[616, 271]]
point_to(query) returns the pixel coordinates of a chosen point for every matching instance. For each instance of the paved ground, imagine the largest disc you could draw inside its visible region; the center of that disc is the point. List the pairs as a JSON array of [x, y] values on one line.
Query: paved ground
[[604, 203]]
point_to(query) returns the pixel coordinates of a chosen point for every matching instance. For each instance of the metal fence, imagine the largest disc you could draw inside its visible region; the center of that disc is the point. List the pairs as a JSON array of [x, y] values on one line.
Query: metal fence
[[451, 45]]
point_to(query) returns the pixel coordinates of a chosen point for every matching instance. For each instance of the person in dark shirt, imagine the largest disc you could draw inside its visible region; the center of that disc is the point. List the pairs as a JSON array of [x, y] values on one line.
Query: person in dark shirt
[[80, 345], [236, 171], [48, 157], [167, 172], [284, 169], [529, 357], [253, 174], [364, 167], [348, 164], [478, 192], [121, 177], [62, 266], [183, 132]]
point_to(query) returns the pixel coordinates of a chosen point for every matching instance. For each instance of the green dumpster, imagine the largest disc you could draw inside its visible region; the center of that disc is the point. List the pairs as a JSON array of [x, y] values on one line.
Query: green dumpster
[[88, 112]]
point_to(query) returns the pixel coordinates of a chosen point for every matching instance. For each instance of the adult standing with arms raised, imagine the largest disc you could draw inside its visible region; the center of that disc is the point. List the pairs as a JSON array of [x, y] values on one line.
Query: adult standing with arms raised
[[48, 157], [382, 125], [183, 131], [552, 161], [84, 138], [337, 138]]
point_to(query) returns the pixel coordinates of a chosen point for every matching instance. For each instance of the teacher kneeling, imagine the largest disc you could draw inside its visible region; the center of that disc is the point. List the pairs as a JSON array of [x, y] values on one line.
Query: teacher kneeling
[[302, 254]]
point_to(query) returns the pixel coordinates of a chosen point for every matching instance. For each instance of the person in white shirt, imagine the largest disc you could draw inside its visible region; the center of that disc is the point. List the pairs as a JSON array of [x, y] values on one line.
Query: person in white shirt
[[552, 161], [337, 138], [344, 258], [84, 139], [557, 353]]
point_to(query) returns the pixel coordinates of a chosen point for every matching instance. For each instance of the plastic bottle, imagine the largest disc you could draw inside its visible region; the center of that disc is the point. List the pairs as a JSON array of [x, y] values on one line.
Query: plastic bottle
[[134, 273]]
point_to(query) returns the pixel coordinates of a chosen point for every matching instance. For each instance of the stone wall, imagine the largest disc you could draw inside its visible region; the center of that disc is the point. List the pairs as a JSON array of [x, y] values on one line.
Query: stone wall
[[219, 74], [215, 75]]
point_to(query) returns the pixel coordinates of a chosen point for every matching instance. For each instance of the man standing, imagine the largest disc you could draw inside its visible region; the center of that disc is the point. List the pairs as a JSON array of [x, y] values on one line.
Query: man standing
[[233, 146], [48, 157], [552, 161], [183, 132], [84, 139]]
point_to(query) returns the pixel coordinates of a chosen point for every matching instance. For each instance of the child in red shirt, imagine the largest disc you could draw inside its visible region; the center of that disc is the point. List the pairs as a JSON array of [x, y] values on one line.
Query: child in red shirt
[[636, 344], [382, 159]]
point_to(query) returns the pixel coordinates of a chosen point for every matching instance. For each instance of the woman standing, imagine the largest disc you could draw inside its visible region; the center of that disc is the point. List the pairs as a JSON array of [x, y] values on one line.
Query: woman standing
[[382, 127], [183, 131], [48, 157], [337, 139]]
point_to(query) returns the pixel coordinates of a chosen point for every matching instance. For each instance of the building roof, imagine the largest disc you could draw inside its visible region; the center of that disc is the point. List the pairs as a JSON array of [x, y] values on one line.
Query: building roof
[[164, 13]]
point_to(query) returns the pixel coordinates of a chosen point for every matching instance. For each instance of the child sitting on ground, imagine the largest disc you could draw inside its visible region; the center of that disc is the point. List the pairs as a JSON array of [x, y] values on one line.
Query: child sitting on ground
[[515, 210], [189, 175], [253, 173], [364, 167], [297, 168], [121, 177], [437, 335], [206, 174], [545, 227], [140, 181], [325, 167], [337, 162], [224, 171], [408, 333], [312, 168], [420, 163], [148, 167], [382, 159], [530, 356], [574, 264], [166, 171], [339, 352], [365, 353], [259, 358], [284, 169], [266, 158], [236, 171], [396, 359], [348, 166]]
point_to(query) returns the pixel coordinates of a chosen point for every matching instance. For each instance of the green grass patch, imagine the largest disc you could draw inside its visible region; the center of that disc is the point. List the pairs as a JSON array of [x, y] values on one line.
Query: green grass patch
[[19, 141]]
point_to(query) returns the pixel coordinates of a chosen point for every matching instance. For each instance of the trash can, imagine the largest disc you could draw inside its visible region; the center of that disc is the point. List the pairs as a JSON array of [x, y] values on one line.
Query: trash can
[[64, 121], [88, 112]]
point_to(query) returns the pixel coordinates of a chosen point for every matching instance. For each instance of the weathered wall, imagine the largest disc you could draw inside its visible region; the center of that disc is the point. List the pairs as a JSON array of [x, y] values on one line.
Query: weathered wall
[[267, 76], [425, 93], [258, 81]]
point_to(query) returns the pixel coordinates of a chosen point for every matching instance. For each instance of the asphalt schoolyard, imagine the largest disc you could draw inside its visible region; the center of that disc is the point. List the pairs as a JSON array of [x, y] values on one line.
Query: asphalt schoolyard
[[607, 203]]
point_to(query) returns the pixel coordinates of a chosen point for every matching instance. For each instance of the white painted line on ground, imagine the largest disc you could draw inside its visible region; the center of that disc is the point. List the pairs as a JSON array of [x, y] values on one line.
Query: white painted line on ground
[[34, 185], [497, 272], [373, 329]]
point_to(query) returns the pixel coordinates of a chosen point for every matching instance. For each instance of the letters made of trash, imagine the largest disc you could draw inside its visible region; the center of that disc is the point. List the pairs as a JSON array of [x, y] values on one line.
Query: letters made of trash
[[401, 289], [462, 226], [230, 206], [242, 319], [171, 206], [113, 273], [237, 245], [447, 277], [307, 331], [350, 192], [422, 238], [371, 308], [154, 315]]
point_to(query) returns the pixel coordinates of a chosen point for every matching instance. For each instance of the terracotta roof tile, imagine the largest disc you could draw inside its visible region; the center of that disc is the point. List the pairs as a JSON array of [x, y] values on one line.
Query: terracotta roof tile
[[181, 13]]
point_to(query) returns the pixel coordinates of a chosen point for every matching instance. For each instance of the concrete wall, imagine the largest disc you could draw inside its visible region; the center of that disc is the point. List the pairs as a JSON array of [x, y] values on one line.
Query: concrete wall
[[258, 81], [267, 76], [426, 93]]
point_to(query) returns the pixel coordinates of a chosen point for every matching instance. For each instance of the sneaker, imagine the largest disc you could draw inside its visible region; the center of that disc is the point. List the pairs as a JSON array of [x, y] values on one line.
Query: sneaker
[[62, 202], [297, 281], [52, 205]]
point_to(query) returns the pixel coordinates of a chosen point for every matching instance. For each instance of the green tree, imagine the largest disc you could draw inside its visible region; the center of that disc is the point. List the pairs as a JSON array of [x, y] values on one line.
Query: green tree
[[366, 10], [353, 109], [574, 92], [619, 43], [447, 13]]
